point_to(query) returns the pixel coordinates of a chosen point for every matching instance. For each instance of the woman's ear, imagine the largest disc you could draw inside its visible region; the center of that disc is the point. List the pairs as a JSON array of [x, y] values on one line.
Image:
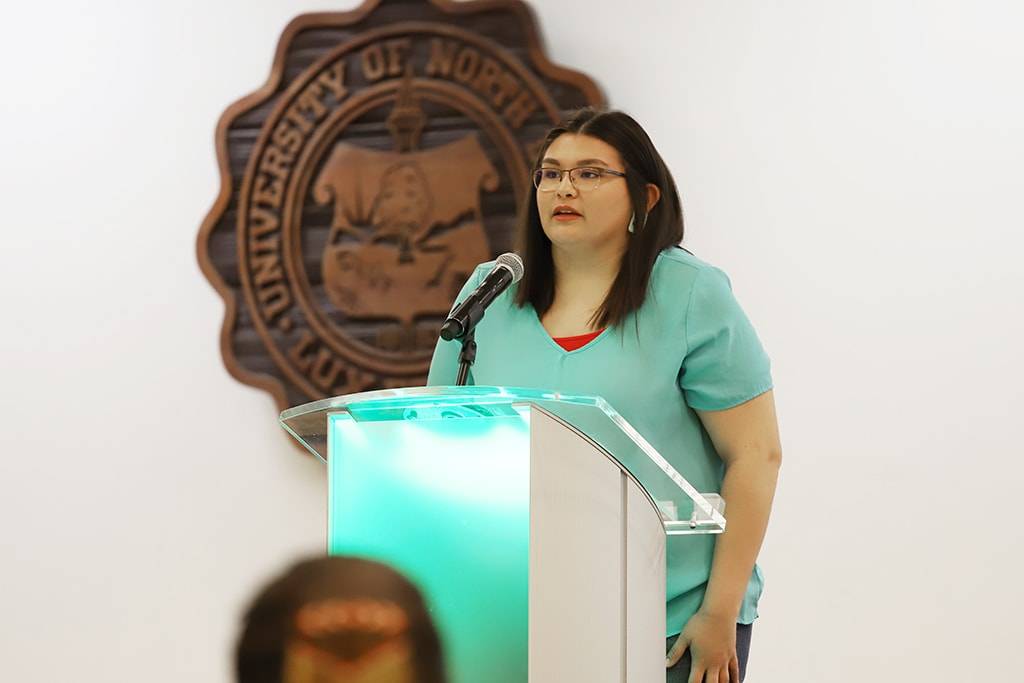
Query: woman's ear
[[653, 195]]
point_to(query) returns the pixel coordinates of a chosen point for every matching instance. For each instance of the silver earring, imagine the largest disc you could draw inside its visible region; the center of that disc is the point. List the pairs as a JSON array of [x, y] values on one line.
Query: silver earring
[[632, 223]]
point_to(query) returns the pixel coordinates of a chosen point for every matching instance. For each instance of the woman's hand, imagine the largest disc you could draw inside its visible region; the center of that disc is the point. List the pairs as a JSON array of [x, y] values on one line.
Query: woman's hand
[[711, 640]]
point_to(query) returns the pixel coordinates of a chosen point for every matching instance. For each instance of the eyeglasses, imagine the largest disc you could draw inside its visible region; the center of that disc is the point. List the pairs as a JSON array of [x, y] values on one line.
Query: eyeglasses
[[583, 178]]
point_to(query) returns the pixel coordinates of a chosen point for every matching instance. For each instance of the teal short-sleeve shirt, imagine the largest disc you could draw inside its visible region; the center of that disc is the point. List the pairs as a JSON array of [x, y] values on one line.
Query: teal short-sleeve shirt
[[689, 347]]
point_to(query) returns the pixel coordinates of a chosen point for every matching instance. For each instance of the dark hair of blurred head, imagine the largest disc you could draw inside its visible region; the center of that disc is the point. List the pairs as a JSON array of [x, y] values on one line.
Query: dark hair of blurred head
[[338, 619], [655, 230]]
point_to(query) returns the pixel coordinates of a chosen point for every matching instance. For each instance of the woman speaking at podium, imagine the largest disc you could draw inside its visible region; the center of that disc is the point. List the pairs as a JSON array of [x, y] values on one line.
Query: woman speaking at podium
[[611, 306]]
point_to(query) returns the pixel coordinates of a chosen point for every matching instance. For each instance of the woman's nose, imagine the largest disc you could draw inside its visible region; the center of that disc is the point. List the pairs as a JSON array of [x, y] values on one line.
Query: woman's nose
[[565, 187]]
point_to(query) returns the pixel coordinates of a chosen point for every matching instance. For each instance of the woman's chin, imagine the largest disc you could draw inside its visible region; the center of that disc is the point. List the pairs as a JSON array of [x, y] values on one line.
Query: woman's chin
[[575, 236], [566, 232]]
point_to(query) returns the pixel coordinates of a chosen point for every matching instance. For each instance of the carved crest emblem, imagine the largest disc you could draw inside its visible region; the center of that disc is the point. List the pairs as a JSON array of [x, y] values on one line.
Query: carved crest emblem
[[384, 159]]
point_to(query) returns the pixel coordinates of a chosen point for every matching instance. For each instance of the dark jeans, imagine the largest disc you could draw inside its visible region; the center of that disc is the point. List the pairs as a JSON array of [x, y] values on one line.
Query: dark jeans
[[680, 673]]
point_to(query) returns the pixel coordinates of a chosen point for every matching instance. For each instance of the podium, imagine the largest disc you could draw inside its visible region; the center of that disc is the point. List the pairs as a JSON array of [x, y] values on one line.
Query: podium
[[533, 522]]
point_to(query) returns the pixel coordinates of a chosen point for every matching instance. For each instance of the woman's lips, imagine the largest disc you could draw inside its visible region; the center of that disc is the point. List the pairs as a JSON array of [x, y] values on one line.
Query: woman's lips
[[564, 213]]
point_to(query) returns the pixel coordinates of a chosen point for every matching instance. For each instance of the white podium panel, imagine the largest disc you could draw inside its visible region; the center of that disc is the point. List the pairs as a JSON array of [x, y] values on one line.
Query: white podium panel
[[597, 564]]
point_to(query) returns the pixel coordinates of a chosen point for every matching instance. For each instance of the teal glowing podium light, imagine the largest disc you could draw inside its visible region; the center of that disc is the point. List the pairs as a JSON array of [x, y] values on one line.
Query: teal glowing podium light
[[533, 522]]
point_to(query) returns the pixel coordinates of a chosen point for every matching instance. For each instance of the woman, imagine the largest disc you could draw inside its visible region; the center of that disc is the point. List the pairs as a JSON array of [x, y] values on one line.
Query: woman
[[611, 306], [341, 619]]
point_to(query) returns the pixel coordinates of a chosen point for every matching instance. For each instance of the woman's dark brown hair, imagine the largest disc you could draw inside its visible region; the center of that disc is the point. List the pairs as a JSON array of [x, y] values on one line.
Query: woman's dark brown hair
[[654, 230], [271, 625]]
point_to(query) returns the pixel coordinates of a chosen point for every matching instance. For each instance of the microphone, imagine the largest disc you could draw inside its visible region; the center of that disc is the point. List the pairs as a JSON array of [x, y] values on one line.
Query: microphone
[[507, 270]]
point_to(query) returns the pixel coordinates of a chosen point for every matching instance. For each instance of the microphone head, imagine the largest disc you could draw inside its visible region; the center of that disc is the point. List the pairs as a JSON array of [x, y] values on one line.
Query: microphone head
[[511, 261]]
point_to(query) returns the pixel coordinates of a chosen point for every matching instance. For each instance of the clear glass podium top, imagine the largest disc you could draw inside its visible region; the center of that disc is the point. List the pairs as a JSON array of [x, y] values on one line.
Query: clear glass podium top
[[683, 509]]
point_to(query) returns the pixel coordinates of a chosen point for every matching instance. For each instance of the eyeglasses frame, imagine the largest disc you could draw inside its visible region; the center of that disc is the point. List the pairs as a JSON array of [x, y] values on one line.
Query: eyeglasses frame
[[563, 171]]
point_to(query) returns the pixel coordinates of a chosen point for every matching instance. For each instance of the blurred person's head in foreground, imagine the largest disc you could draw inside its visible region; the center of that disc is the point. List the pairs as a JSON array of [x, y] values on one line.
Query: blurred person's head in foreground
[[339, 619]]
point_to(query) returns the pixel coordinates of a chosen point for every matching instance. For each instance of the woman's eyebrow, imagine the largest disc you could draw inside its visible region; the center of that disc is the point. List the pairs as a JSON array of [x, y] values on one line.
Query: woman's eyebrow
[[581, 162]]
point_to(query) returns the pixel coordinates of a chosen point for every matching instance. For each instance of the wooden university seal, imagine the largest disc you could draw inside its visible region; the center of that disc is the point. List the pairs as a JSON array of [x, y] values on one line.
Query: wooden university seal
[[383, 159]]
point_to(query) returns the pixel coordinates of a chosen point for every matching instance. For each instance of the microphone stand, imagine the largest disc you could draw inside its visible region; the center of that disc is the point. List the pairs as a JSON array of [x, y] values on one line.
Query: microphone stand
[[466, 357]]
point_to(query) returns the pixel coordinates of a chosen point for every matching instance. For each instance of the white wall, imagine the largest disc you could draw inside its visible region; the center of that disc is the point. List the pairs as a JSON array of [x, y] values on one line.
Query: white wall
[[854, 166]]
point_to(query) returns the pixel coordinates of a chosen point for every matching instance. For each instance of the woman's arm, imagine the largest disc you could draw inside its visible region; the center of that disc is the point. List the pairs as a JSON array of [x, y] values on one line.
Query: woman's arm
[[746, 437]]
